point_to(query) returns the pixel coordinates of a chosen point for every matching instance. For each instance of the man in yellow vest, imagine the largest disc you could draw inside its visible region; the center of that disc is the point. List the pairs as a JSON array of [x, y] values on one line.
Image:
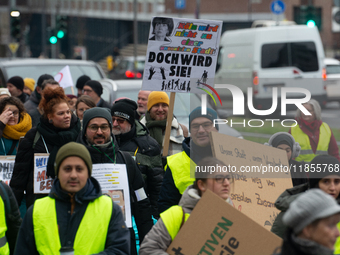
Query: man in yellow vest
[[75, 218], [177, 171]]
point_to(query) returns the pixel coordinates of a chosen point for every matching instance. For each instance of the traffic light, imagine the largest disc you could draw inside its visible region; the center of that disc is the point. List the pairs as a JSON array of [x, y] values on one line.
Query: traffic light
[[51, 36], [61, 26], [308, 15], [15, 25]]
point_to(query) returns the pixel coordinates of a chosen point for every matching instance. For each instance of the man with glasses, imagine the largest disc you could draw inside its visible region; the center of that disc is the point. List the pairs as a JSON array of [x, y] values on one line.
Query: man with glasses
[[133, 137], [97, 137], [177, 174], [94, 89]]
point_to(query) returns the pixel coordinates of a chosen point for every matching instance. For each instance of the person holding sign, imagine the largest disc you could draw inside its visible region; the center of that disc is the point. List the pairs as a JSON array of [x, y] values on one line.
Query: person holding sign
[[14, 123], [164, 232], [57, 127], [134, 138], [312, 224], [155, 120], [177, 172], [97, 137], [75, 218], [314, 136]]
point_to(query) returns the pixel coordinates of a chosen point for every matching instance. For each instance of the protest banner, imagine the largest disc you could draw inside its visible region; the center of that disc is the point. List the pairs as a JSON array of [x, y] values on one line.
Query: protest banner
[[216, 228], [254, 188], [113, 181], [6, 168], [64, 78], [181, 57], [42, 184]]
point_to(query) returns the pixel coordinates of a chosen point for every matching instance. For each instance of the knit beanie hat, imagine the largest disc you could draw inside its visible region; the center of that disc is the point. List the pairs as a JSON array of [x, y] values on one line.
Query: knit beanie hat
[[96, 112], [43, 78], [17, 81], [4, 91], [157, 97], [125, 108], [29, 83], [197, 112], [282, 139], [73, 149], [312, 205], [327, 163], [96, 86], [81, 81]]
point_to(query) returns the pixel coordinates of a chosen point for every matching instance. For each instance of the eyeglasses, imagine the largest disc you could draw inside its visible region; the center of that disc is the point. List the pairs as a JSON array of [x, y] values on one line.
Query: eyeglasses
[[220, 178], [87, 90], [15, 113], [103, 128], [206, 126], [119, 121]]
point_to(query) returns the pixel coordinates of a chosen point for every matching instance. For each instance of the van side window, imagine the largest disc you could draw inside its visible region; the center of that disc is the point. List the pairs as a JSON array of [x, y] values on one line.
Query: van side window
[[299, 54]]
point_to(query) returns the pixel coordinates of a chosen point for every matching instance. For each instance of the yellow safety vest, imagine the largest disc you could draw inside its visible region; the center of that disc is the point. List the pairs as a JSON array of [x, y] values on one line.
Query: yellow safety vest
[[306, 153], [91, 234], [180, 165], [337, 243], [172, 219], [4, 248]]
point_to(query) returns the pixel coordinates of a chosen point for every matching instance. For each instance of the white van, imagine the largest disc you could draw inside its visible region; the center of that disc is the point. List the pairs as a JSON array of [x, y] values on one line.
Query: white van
[[333, 79], [263, 58]]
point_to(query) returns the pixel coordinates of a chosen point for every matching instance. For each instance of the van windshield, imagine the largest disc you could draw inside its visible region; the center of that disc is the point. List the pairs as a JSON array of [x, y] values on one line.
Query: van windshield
[[298, 54]]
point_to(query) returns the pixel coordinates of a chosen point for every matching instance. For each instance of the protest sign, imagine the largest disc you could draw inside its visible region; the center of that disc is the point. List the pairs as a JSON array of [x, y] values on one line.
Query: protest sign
[[6, 168], [181, 55], [42, 183], [255, 188], [114, 182], [216, 228]]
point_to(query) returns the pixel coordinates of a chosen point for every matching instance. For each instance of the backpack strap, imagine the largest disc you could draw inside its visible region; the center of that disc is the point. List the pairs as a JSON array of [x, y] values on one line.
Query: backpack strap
[[5, 198], [36, 138]]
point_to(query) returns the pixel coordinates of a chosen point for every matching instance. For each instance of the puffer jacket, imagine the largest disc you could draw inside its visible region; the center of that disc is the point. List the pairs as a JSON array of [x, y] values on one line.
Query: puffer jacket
[[117, 239], [282, 204], [157, 241], [147, 153]]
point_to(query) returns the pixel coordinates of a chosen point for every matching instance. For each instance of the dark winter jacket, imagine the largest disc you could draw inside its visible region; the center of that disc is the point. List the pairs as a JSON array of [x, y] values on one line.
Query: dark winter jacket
[[282, 204], [35, 115], [147, 153], [22, 177], [23, 97], [13, 220], [141, 210], [33, 101], [102, 103], [293, 245], [297, 172], [117, 240]]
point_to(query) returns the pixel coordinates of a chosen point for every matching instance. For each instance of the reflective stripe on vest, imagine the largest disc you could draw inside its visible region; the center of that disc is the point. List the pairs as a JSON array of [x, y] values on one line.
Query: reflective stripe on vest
[[306, 153], [4, 248], [91, 234], [172, 219], [180, 164]]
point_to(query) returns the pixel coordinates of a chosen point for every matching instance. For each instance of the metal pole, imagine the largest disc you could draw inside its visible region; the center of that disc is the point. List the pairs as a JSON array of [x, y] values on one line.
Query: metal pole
[[198, 4], [43, 29], [135, 33], [53, 26]]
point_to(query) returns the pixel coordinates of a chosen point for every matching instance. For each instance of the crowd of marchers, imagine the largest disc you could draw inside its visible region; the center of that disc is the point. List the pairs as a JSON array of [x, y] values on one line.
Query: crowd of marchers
[[83, 131]]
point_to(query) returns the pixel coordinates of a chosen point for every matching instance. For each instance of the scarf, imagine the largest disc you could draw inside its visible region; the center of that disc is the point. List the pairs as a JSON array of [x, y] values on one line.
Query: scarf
[[16, 131], [57, 137], [312, 126], [156, 128]]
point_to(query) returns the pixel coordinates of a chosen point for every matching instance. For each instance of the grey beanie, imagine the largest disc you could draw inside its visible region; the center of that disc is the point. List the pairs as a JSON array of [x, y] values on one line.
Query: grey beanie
[[312, 205], [96, 112]]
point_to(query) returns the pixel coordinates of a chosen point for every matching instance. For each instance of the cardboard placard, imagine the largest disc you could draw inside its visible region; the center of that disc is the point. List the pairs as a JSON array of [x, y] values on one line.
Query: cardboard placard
[[254, 194], [181, 55], [6, 168], [42, 184], [215, 227]]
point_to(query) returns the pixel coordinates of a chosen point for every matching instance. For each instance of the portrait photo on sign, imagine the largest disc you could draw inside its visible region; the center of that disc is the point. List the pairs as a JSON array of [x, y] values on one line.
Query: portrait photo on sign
[[162, 28]]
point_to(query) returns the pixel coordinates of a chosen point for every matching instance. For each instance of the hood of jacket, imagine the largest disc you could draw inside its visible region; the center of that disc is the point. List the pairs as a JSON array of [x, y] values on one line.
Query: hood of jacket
[[289, 195], [91, 191]]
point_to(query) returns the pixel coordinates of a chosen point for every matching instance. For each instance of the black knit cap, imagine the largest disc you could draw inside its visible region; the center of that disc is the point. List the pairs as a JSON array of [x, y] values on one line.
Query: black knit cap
[[96, 112], [17, 81], [43, 78], [96, 86], [328, 166], [283, 139], [81, 81], [125, 108]]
